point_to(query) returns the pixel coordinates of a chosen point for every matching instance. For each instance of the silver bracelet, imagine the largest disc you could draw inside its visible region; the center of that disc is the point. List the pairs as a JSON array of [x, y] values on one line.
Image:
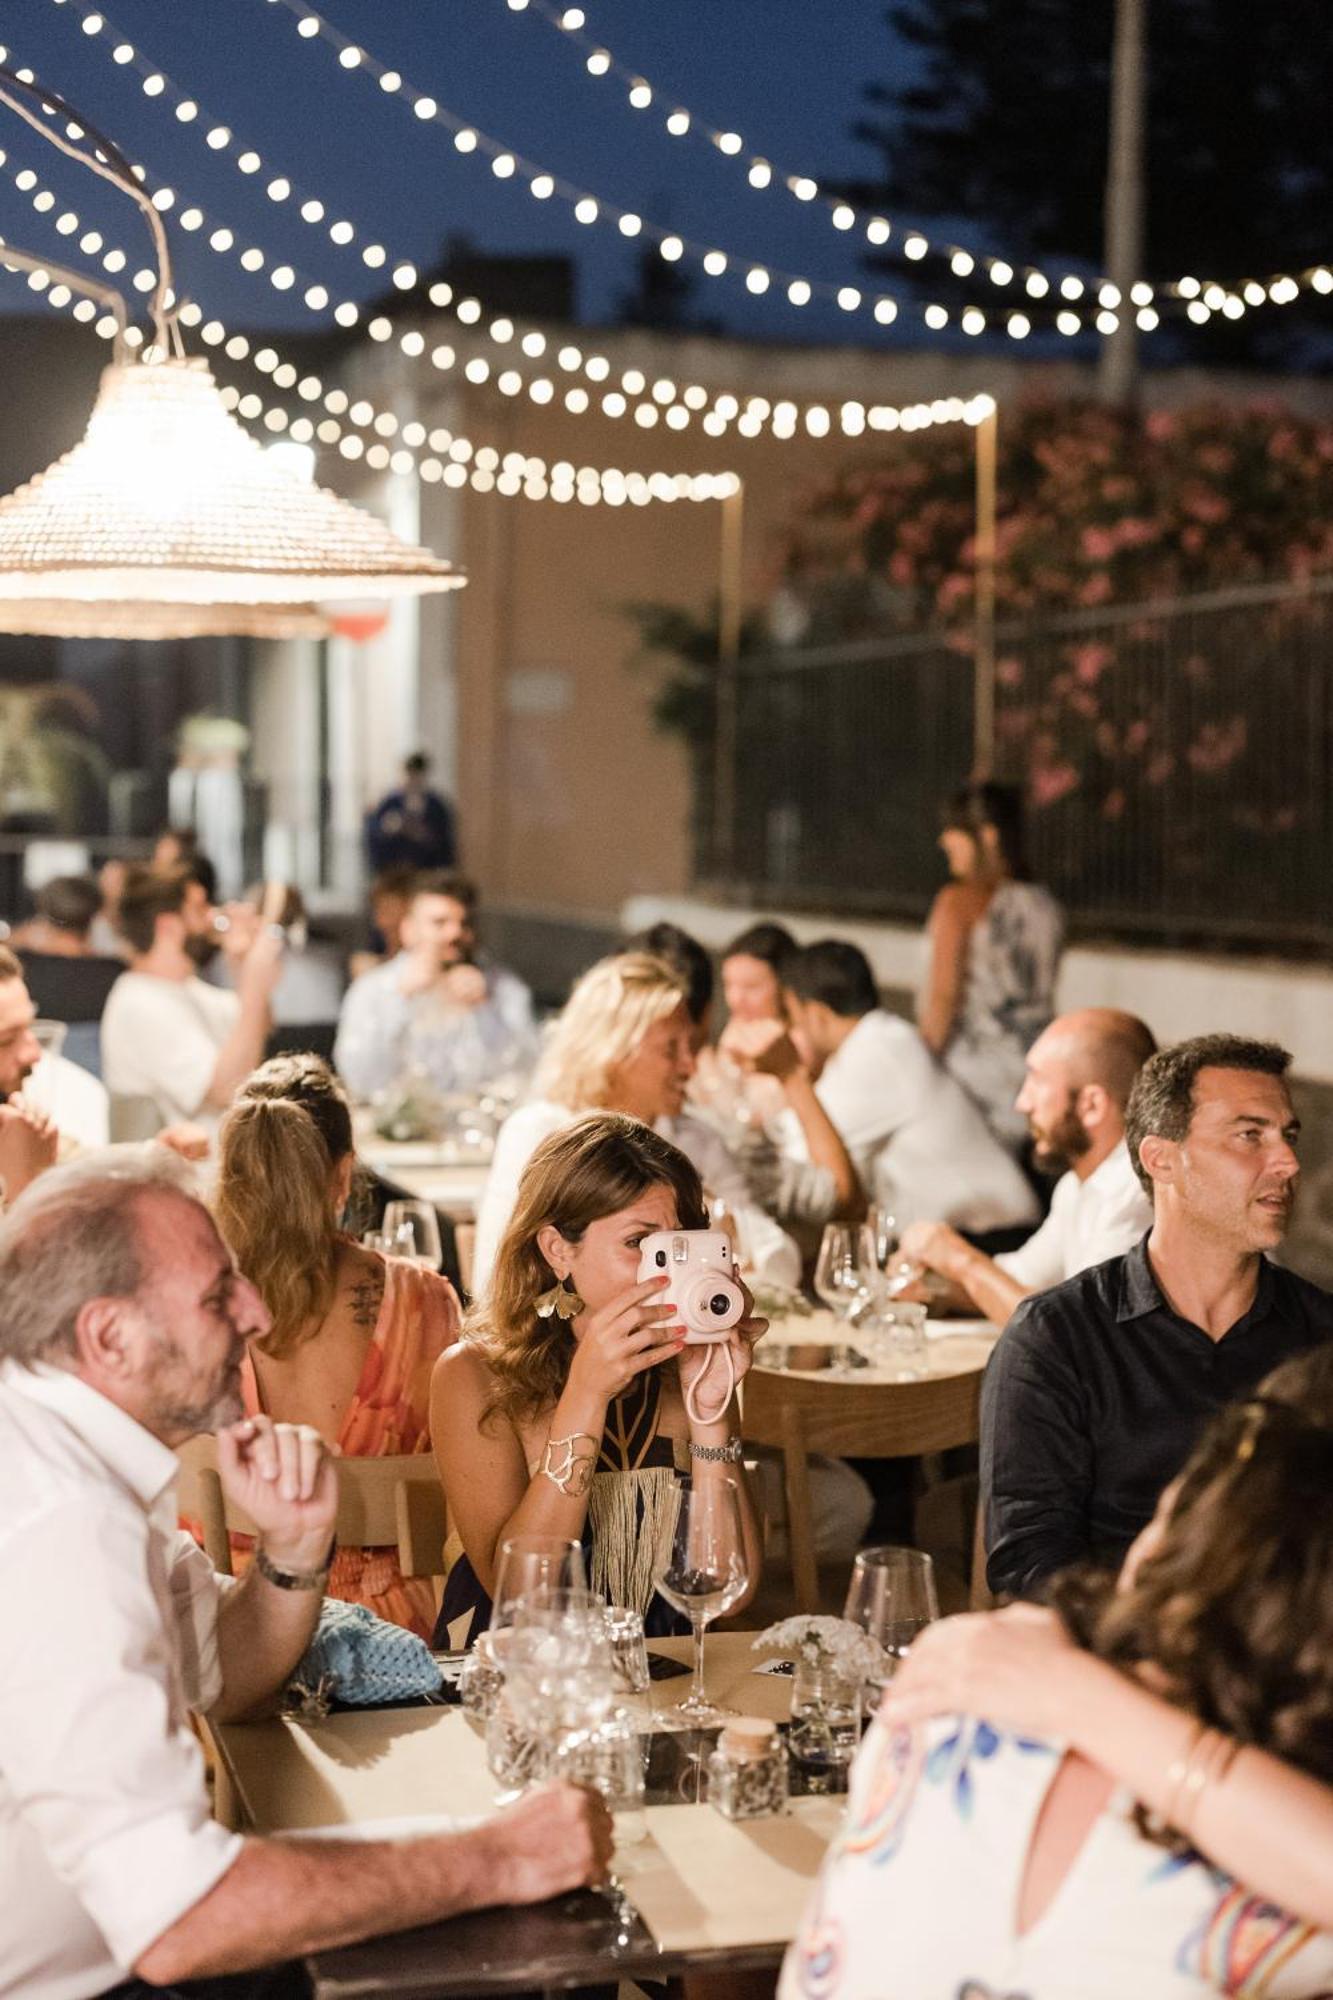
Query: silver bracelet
[[729, 1453], [567, 1468], [294, 1579]]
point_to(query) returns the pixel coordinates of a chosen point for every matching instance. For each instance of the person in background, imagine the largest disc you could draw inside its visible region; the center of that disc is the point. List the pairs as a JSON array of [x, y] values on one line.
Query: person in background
[[104, 933], [166, 1034], [68, 981], [29, 1140], [995, 938], [563, 1408], [692, 965], [1224, 1605], [438, 1007], [413, 826], [625, 1042], [123, 1324], [1079, 1076], [752, 991], [178, 847], [390, 901], [352, 1336], [1097, 1391], [919, 1144], [310, 985]]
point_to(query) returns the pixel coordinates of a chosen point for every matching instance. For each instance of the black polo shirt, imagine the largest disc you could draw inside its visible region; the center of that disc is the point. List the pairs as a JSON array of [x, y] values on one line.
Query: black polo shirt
[[1094, 1398]]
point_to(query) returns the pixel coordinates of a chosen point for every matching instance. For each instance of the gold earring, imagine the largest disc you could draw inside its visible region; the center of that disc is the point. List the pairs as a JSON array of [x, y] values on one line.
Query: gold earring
[[561, 1302]]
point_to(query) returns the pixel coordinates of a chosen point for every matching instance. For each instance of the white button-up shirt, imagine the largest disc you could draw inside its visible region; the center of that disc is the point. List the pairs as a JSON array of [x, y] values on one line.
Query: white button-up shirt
[[108, 1639], [1090, 1221], [919, 1143]]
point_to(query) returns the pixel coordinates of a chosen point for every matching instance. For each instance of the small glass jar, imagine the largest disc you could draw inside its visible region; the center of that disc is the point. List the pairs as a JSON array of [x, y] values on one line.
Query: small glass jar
[[825, 1724], [747, 1772]]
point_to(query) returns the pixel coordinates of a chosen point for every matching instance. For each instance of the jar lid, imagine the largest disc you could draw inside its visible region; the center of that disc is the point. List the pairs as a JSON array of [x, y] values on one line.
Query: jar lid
[[748, 1738]]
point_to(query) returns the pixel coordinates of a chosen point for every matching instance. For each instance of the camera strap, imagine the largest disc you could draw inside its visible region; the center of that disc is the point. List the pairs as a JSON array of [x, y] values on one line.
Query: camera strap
[[692, 1410]]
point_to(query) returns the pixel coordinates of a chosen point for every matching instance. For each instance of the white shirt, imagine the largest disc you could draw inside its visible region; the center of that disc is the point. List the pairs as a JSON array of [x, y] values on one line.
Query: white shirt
[[917, 1140], [767, 1248], [918, 1895], [161, 1038], [1090, 1221], [108, 1639], [382, 1032], [77, 1104]]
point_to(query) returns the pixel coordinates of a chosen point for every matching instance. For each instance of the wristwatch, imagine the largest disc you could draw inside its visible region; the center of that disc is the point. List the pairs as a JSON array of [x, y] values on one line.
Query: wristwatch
[[729, 1453], [295, 1579]]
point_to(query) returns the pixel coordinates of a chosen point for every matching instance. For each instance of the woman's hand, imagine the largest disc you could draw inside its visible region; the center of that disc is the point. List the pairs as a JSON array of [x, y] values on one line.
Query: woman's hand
[[1006, 1665], [623, 1338], [739, 1343]]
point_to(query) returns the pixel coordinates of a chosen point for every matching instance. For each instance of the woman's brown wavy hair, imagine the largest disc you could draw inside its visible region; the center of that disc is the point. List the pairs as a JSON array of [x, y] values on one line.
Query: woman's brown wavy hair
[[593, 1168], [288, 1129], [1235, 1605]]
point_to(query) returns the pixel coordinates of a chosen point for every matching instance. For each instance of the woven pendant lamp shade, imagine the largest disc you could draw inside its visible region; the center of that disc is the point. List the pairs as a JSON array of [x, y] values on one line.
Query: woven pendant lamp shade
[[72, 618], [167, 502]]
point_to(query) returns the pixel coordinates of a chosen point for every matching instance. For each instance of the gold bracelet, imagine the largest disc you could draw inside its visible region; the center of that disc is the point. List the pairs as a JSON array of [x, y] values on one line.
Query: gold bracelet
[[1207, 1760], [566, 1468]]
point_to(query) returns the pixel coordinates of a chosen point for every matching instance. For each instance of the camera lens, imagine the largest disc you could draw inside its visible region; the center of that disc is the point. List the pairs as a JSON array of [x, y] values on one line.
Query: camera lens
[[659, 1258], [719, 1304]]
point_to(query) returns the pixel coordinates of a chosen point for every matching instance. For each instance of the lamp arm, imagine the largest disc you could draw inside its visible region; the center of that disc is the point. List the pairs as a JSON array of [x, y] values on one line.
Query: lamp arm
[[78, 281], [112, 166]]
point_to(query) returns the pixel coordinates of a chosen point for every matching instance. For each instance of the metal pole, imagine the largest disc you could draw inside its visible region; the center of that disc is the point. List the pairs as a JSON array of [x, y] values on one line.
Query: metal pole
[[731, 544], [983, 652], [1119, 370]]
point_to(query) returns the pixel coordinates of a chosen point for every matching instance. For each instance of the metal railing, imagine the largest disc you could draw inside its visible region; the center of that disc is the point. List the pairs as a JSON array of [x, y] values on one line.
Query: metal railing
[[1178, 757]]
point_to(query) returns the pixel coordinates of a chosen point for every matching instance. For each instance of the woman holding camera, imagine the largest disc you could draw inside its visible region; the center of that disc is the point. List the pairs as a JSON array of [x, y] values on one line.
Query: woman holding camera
[[563, 1410], [1208, 1661]]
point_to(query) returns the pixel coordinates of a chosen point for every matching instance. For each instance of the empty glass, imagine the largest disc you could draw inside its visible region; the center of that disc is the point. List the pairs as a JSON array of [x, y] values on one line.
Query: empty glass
[[842, 1274], [629, 1653], [414, 1229], [892, 1597], [530, 1564], [702, 1569], [894, 1338]]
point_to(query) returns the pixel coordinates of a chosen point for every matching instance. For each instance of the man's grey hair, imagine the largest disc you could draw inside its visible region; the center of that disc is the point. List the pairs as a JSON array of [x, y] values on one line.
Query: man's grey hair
[[1161, 1104], [74, 1236]]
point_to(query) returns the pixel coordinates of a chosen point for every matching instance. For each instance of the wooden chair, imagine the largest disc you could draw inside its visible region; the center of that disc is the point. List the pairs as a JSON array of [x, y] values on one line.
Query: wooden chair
[[382, 1503], [798, 1415]]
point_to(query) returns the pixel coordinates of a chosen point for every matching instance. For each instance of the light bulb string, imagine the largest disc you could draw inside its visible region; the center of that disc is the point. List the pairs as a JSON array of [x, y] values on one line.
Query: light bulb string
[[19, 93], [15, 259]]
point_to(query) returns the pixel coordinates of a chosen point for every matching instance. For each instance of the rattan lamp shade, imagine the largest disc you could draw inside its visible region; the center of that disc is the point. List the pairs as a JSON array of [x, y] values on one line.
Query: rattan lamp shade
[[167, 502], [74, 618]]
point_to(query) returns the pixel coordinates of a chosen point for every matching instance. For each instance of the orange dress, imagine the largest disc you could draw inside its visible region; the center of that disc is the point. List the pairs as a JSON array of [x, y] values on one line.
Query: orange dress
[[388, 1416]]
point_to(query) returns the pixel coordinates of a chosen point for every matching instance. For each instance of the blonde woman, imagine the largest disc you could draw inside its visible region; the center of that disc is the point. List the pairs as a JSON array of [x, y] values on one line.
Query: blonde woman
[[624, 1042], [354, 1335], [563, 1409]]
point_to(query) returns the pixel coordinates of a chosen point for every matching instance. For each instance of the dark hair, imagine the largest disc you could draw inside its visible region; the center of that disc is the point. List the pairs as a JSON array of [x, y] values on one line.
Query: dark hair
[[1235, 1607], [69, 903], [835, 973], [288, 1128], [769, 943], [150, 893], [1161, 1104], [686, 956], [400, 880], [199, 868], [446, 882], [417, 764], [974, 807]]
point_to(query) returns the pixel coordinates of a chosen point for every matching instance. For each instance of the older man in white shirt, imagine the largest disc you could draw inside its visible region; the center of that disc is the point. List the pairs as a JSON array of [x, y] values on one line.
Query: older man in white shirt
[[123, 1323], [919, 1143], [1078, 1078]]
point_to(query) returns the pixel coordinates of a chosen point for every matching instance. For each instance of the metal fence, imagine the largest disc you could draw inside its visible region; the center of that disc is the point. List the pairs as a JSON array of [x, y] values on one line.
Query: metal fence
[[1178, 759]]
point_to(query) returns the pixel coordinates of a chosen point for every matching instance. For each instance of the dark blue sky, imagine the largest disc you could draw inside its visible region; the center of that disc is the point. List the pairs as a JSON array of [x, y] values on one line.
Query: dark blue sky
[[784, 73]]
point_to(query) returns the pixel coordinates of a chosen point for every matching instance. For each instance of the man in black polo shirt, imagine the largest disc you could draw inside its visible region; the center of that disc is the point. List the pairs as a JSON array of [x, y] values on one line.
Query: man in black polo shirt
[[1097, 1390]]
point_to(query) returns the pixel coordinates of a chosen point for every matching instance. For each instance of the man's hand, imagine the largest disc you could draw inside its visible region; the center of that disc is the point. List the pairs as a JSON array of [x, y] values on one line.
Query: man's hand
[[190, 1141], [282, 1476], [554, 1839], [764, 1048], [937, 1247], [418, 974], [242, 928], [28, 1143], [464, 986], [259, 969]]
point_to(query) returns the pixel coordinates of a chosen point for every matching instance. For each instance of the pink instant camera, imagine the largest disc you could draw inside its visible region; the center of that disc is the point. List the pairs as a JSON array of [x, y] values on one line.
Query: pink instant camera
[[703, 1290]]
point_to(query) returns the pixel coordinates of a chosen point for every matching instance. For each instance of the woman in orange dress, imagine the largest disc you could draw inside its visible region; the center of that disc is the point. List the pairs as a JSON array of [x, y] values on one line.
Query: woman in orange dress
[[354, 1335]]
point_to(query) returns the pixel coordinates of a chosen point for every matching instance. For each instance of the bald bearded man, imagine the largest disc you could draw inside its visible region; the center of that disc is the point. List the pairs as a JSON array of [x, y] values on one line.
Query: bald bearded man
[[1079, 1074]]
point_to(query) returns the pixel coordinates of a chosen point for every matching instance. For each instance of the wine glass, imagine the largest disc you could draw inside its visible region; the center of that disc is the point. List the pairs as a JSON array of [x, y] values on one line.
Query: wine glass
[[702, 1570], [892, 1597], [531, 1565], [843, 1273], [414, 1228]]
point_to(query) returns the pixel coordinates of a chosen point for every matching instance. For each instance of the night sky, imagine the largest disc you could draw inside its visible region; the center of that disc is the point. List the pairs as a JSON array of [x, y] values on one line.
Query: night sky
[[785, 74]]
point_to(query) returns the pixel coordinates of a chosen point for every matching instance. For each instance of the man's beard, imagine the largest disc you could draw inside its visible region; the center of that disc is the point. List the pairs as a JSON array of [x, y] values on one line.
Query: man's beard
[[202, 948], [1066, 1142], [221, 1405]]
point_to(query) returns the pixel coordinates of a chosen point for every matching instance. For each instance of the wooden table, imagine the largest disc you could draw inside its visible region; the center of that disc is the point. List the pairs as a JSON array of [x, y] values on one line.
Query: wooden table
[[687, 1874]]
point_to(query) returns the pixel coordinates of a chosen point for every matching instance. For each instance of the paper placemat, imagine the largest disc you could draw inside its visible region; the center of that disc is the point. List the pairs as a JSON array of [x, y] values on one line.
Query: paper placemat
[[704, 1881]]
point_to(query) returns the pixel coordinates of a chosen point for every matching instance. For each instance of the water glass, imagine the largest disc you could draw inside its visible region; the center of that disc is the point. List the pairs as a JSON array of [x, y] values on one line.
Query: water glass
[[825, 1725], [894, 1338], [529, 1564], [629, 1652], [480, 1681], [892, 1597]]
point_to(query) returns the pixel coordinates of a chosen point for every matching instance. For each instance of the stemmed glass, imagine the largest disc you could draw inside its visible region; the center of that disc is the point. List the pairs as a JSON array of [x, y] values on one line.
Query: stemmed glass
[[842, 1278], [414, 1229], [892, 1597], [532, 1565], [702, 1570]]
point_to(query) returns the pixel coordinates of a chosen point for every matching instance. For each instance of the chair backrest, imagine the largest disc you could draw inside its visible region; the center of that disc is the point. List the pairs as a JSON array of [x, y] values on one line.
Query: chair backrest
[[863, 1419], [382, 1503]]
